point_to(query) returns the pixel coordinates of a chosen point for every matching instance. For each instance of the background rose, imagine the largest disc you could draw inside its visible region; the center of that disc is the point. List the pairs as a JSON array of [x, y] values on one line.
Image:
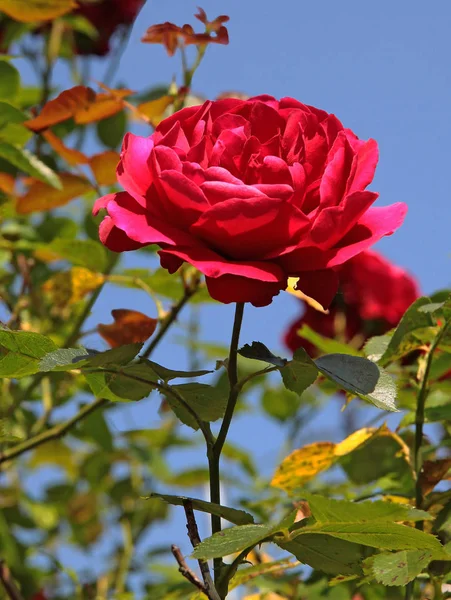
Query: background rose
[[106, 16], [250, 192], [374, 294]]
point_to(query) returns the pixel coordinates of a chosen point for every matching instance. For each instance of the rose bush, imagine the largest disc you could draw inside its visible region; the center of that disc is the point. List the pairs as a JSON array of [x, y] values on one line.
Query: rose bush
[[374, 295], [250, 192]]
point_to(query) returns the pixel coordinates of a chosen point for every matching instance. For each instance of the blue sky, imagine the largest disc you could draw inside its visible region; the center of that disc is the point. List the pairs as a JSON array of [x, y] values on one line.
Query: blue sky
[[384, 69]]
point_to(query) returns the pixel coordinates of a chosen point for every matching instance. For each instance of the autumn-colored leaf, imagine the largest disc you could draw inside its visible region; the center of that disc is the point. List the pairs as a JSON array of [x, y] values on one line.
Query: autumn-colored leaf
[[129, 327], [154, 109], [171, 35], [7, 183], [104, 165], [305, 463], [28, 11], [81, 103], [41, 196], [71, 156], [433, 472], [69, 287]]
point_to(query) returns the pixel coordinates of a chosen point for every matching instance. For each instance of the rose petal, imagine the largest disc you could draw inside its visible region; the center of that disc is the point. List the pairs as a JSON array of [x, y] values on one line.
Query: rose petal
[[252, 228], [231, 288], [115, 239], [133, 170]]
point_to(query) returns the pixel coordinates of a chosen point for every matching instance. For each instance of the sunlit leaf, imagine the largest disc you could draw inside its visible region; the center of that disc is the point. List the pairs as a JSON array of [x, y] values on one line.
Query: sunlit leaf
[[155, 109], [130, 326], [326, 345], [86, 253], [70, 155], [30, 164], [68, 287], [9, 79], [103, 166], [361, 377], [21, 352], [398, 568], [81, 103], [28, 11], [40, 196]]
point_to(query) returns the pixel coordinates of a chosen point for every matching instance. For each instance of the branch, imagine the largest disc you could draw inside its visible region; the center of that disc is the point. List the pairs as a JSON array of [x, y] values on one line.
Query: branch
[[193, 534], [8, 584], [185, 570], [170, 318], [51, 434]]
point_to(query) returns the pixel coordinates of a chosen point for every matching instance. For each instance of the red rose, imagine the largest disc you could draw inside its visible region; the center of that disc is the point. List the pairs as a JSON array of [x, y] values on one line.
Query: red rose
[[106, 16], [250, 192], [374, 295]]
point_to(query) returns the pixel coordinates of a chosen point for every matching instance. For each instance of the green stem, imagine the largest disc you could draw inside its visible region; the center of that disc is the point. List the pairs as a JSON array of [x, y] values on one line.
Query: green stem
[[214, 452], [125, 560], [419, 419], [419, 426]]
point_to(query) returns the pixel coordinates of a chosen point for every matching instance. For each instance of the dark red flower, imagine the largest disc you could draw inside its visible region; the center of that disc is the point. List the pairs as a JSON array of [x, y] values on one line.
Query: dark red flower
[[250, 192], [374, 294], [107, 16]]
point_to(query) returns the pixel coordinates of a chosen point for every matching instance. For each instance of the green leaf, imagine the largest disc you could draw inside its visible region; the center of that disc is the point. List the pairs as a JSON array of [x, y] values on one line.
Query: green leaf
[[280, 403], [375, 347], [399, 568], [402, 342], [111, 130], [327, 554], [9, 81], [326, 345], [326, 510], [167, 374], [258, 351], [66, 359], [208, 403], [232, 540], [11, 128], [298, 374], [238, 517], [22, 351], [243, 576], [133, 382], [361, 377], [97, 381], [378, 534], [85, 253], [30, 164]]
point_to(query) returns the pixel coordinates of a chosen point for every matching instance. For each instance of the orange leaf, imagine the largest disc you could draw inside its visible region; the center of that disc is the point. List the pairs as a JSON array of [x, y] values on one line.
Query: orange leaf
[[7, 183], [433, 472], [81, 103], [27, 11], [129, 327], [41, 196], [72, 157], [104, 165]]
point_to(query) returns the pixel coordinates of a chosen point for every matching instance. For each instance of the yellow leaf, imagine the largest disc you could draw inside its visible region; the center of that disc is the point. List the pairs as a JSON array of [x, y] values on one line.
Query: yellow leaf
[[69, 287], [303, 464], [104, 165], [264, 596], [41, 196], [72, 157], [154, 110], [355, 440], [292, 289], [27, 11], [54, 452]]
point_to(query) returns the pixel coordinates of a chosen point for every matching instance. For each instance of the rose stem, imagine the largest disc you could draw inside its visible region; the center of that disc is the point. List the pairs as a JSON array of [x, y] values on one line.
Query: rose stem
[[214, 452]]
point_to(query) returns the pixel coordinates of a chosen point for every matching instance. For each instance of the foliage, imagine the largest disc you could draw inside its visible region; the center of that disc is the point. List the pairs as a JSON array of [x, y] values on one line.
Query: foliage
[[361, 518]]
